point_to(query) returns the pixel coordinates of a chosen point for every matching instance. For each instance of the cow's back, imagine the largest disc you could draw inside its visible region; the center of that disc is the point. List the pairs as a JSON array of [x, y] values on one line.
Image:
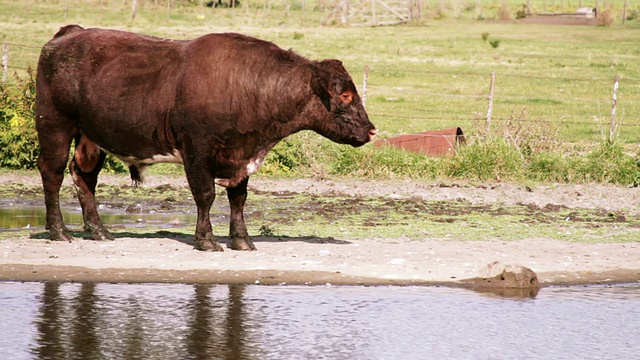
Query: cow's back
[[117, 87], [91, 67]]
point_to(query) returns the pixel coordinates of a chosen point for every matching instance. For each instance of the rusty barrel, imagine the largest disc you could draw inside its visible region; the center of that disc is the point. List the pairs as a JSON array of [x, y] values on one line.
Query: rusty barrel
[[432, 142]]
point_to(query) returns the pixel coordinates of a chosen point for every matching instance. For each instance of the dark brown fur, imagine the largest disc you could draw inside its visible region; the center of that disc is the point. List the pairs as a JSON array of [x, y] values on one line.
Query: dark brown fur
[[217, 104]]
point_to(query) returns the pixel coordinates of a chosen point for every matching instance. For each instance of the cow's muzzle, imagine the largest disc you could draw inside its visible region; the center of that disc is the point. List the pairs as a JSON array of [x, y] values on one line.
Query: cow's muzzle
[[372, 133]]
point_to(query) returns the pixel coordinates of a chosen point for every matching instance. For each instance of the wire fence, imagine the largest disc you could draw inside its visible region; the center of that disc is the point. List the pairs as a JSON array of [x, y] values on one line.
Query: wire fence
[[589, 107]]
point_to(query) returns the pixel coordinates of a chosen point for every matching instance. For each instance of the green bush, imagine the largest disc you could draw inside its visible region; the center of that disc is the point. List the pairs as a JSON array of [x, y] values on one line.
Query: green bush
[[606, 164], [19, 147], [18, 139], [491, 159], [548, 167], [385, 162], [286, 157]]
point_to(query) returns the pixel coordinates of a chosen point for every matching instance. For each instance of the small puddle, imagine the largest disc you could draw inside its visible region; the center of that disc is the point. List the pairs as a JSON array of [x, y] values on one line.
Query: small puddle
[[22, 216]]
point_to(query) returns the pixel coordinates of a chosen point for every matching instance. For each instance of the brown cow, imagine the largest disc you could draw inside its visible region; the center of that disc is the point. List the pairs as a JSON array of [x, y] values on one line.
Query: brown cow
[[216, 104]]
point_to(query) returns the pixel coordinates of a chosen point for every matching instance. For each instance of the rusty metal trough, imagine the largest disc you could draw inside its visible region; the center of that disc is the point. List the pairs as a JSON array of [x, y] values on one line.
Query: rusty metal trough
[[433, 143]]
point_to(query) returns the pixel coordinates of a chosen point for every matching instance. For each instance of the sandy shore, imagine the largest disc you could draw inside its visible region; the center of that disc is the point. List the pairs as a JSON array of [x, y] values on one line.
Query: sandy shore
[[314, 261]]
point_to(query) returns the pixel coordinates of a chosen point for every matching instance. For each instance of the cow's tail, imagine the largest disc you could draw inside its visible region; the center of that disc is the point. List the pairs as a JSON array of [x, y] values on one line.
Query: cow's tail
[[136, 175], [67, 30]]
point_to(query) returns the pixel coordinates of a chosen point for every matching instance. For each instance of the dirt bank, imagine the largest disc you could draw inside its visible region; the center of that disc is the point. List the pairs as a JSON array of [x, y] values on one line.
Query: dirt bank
[[167, 255]]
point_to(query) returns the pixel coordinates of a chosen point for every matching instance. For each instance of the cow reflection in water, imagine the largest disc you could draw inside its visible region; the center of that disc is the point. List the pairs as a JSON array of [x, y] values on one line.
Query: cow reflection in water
[[81, 321]]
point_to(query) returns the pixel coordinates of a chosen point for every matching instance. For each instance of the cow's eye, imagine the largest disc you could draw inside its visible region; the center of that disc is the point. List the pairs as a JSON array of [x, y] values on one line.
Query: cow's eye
[[346, 97]]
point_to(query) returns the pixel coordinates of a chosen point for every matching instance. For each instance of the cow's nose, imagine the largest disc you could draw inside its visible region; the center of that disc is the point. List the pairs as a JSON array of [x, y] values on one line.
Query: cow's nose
[[372, 134]]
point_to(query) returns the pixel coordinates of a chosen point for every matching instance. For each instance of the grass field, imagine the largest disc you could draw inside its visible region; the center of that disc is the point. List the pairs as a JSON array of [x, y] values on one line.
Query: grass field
[[430, 75], [553, 82]]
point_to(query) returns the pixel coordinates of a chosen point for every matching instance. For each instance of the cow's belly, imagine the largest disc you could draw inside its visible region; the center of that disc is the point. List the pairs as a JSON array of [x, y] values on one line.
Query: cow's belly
[[233, 174], [175, 158], [141, 163]]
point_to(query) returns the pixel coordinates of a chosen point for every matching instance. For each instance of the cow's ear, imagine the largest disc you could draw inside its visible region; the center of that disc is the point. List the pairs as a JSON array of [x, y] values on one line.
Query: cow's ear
[[321, 82]]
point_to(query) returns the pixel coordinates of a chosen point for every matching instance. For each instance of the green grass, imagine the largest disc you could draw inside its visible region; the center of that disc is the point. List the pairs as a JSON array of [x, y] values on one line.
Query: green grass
[[421, 77], [432, 74]]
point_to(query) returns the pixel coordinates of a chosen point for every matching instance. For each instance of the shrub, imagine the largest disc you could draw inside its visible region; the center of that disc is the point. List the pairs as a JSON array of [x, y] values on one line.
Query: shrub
[[504, 12], [608, 163], [490, 159], [604, 18], [18, 139], [522, 12], [285, 157], [385, 162], [19, 147], [529, 136], [548, 167]]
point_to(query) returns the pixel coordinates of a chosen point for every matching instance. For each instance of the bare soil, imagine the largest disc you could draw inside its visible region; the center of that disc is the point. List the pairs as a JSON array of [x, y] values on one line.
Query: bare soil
[[168, 256]]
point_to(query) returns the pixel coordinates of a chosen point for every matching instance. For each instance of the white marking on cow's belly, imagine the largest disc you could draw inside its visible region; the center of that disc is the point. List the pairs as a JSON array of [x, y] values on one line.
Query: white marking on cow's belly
[[256, 163], [254, 166], [251, 168], [174, 158]]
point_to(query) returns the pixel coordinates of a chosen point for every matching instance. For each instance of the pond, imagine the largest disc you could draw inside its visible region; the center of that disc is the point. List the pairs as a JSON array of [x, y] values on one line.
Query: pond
[[204, 321]]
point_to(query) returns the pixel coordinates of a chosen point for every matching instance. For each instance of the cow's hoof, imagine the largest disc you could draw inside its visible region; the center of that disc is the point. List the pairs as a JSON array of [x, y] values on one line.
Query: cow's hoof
[[60, 235], [242, 245], [208, 245], [100, 234]]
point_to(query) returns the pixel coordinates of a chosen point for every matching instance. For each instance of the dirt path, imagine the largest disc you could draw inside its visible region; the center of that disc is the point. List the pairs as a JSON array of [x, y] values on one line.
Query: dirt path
[[169, 256]]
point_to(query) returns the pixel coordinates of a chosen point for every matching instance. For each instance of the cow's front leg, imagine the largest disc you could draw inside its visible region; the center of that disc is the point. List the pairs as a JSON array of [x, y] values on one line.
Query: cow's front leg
[[203, 190], [86, 189], [240, 239]]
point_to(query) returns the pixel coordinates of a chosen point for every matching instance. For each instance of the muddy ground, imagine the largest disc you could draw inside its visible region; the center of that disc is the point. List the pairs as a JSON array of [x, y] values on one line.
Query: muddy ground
[[339, 231]]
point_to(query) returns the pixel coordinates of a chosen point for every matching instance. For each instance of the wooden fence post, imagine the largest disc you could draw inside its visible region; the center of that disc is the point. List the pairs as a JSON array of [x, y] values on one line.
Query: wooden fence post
[[134, 9], [374, 14], [5, 62], [344, 13], [364, 86], [614, 104], [490, 108]]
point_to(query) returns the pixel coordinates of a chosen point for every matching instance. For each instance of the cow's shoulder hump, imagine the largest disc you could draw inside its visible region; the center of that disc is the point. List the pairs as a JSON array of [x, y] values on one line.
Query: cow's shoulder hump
[[68, 29]]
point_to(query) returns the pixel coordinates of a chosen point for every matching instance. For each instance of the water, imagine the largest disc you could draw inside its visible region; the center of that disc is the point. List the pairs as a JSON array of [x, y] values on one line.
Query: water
[[187, 321], [35, 216]]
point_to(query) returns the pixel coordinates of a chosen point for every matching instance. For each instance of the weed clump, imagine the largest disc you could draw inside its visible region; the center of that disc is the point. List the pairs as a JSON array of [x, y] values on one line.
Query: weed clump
[[504, 12], [604, 18]]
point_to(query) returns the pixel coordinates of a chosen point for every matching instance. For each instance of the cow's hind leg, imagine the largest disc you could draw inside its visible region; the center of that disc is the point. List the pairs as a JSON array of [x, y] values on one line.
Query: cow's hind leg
[[240, 239], [202, 187], [54, 154], [84, 168], [51, 165]]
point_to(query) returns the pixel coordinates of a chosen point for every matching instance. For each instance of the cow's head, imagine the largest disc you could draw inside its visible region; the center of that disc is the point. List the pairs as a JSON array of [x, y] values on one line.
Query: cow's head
[[346, 121]]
